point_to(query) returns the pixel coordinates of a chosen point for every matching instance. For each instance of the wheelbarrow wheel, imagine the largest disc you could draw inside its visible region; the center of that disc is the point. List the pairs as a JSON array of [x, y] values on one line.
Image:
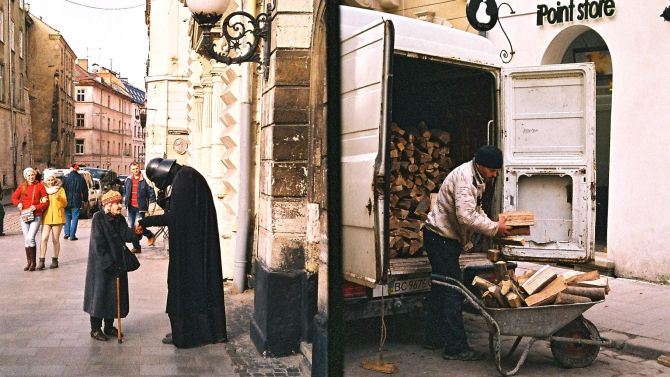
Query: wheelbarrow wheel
[[575, 355]]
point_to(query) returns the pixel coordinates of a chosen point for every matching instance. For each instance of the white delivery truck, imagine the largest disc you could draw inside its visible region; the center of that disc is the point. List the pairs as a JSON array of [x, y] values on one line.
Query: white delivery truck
[[397, 69]]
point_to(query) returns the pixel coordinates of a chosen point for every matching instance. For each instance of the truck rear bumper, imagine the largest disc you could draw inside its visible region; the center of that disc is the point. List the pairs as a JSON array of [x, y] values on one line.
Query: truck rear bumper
[[368, 308]]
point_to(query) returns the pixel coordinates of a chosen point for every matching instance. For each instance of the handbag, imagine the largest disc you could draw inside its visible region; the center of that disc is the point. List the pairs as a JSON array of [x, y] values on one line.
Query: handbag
[[27, 216], [132, 263]]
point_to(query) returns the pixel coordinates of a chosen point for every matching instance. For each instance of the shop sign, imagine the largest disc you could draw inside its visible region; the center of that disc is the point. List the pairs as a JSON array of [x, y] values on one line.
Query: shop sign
[[482, 14], [582, 11]]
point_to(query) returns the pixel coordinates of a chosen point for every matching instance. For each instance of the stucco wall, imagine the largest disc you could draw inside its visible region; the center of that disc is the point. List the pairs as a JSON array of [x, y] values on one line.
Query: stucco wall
[[638, 41]]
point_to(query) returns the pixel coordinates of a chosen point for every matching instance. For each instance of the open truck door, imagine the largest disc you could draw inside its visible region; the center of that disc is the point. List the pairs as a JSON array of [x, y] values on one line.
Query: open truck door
[[548, 137], [366, 84]]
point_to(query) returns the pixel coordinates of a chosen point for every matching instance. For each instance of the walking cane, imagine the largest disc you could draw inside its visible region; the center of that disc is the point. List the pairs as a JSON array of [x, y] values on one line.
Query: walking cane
[[118, 308]]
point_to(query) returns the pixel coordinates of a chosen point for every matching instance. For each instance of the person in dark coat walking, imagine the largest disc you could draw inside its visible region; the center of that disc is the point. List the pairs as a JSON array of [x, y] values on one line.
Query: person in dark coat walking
[[109, 233], [137, 196], [195, 282], [76, 190]]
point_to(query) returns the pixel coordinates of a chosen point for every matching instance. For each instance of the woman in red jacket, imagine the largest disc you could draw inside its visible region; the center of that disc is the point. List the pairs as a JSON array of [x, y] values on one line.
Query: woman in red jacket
[[31, 199]]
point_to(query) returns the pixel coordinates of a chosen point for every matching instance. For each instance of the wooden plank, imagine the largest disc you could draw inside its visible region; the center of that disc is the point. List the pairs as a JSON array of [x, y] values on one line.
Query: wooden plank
[[584, 276], [548, 294], [518, 218], [602, 282], [511, 240], [520, 231], [539, 280]]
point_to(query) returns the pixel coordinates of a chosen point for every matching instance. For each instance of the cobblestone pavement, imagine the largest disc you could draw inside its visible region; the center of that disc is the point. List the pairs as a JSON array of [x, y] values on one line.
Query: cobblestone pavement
[[44, 331]]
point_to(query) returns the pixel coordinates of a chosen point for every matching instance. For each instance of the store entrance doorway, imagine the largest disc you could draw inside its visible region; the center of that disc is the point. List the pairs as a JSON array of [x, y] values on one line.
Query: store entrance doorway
[[579, 44]]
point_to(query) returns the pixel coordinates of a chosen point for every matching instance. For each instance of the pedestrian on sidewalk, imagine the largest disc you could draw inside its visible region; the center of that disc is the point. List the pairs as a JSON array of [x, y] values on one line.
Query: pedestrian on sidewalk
[[53, 218], [76, 191], [195, 282], [137, 197], [109, 234], [449, 229], [31, 199], [2, 212]]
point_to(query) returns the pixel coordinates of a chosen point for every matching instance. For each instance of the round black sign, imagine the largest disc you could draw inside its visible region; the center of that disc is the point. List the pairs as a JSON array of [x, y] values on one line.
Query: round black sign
[[482, 14]]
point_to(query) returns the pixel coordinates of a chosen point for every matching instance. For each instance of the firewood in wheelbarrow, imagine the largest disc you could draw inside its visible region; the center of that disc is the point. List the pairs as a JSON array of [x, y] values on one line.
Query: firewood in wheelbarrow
[[595, 294], [539, 280], [566, 298], [513, 300], [548, 294], [500, 268], [481, 283]]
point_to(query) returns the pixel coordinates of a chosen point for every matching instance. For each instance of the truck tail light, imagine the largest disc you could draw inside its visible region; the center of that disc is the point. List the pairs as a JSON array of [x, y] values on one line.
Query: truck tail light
[[353, 290]]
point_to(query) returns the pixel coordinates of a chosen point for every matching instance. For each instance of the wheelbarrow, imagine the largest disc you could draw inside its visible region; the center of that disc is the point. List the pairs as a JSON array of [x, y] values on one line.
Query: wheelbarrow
[[575, 341]]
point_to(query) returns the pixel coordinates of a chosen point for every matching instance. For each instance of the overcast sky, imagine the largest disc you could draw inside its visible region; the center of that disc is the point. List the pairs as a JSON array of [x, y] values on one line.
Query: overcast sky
[[115, 39]]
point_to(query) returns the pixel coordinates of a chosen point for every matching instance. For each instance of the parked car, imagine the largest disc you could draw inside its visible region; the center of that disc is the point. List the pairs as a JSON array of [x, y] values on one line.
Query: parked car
[[106, 177], [89, 207], [121, 181]]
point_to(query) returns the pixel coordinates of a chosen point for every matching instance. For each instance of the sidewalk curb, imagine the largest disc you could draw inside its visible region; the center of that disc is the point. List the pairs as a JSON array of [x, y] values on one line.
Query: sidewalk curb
[[643, 347]]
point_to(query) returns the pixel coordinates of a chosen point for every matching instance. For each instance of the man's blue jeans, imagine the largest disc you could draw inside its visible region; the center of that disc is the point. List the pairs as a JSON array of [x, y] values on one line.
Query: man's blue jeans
[[71, 221], [444, 318], [134, 215]]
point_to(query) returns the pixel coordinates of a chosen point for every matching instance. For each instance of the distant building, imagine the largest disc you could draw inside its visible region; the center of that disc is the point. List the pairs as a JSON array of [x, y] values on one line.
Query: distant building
[[103, 119], [136, 129], [16, 142], [50, 64]]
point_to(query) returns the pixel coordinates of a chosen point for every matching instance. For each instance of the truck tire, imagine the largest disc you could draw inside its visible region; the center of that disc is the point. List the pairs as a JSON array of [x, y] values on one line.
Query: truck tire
[[574, 355]]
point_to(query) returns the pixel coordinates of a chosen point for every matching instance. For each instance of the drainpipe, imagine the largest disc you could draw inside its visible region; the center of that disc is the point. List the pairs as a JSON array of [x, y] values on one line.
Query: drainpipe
[[12, 119], [244, 193]]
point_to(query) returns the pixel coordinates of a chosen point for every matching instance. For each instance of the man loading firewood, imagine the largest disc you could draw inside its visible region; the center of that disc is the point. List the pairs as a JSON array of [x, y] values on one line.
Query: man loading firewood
[[451, 224]]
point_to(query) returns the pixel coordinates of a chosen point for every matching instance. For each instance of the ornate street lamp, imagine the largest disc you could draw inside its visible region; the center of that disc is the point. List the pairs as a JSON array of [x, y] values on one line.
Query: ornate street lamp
[[242, 31]]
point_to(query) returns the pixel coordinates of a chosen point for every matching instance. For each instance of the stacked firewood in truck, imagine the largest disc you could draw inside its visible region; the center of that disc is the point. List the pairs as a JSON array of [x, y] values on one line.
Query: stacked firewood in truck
[[419, 163], [540, 287]]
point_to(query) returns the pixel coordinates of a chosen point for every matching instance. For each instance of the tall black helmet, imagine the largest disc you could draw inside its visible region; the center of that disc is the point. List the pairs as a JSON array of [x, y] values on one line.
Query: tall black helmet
[[159, 171]]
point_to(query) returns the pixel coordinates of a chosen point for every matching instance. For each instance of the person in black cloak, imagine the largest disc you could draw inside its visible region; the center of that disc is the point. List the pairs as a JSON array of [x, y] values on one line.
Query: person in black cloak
[[109, 233], [195, 282]]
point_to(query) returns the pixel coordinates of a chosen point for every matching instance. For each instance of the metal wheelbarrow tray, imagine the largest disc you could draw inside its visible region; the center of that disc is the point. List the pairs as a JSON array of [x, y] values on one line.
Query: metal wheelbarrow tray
[[575, 341]]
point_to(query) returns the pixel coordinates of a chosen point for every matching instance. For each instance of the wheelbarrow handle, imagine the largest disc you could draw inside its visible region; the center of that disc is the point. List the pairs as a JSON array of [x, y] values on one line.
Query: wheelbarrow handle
[[494, 328], [457, 286]]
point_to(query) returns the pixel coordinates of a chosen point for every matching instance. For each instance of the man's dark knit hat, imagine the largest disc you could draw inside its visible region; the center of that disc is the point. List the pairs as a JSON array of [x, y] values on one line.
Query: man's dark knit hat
[[489, 156]]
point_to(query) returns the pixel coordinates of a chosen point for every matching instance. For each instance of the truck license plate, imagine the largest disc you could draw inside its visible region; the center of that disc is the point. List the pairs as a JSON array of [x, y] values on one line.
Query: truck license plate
[[396, 287]]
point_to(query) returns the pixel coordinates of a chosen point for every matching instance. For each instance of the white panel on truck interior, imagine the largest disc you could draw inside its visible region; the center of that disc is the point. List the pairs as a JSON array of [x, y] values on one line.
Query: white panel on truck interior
[[549, 151], [366, 69]]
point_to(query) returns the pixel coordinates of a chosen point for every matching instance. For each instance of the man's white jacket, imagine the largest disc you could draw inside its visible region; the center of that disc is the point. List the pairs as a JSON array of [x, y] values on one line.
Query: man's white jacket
[[458, 213]]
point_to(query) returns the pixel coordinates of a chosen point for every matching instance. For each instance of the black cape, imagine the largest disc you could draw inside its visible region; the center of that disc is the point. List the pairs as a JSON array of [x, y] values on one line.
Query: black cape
[[195, 282], [105, 260]]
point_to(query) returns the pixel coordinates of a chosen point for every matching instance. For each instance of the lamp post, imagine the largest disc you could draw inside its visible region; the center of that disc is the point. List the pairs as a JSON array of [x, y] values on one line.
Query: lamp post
[[242, 31]]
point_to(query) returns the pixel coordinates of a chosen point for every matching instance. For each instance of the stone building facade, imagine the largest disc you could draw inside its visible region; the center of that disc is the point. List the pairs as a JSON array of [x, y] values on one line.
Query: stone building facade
[[15, 123], [103, 120], [50, 66]]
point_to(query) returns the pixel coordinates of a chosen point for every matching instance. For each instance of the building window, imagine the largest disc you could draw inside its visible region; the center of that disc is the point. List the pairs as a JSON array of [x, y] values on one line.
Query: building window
[[80, 121], [21, 44], [11, 35], [80, 95], [2, 83], [108, 123], [79, 146], [2, 25]]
